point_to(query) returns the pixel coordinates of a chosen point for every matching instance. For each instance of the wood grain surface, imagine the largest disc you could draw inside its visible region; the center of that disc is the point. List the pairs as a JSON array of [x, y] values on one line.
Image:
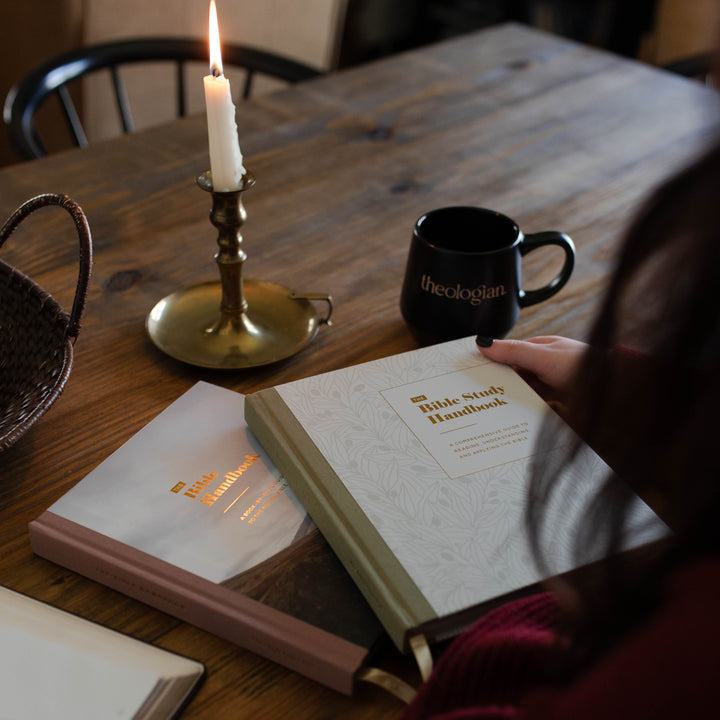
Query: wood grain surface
[[554, 134]]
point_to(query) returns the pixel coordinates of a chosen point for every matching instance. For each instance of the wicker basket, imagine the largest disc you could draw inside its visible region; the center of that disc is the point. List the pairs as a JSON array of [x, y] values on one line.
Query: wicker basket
[[36, 334]]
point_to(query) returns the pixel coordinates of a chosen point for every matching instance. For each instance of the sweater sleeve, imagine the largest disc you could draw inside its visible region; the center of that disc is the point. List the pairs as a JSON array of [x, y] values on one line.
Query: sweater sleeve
[[668, 667], [485, 671]]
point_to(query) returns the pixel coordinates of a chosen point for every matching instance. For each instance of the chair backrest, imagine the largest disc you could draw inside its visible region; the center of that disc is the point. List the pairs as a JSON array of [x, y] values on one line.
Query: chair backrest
[[53, 77]]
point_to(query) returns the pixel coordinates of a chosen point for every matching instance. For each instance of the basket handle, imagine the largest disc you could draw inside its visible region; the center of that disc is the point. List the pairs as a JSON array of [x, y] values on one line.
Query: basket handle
[[83, 231]]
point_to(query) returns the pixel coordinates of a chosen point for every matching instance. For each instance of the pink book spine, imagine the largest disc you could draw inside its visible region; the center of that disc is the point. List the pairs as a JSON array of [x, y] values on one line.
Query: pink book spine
[[304, 648]]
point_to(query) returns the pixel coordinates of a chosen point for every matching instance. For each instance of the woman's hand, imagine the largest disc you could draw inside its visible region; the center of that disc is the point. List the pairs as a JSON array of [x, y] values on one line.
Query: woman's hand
[[547, 363]]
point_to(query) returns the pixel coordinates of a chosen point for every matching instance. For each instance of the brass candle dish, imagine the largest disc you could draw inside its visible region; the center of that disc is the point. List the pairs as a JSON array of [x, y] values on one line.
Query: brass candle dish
[[236, 323]]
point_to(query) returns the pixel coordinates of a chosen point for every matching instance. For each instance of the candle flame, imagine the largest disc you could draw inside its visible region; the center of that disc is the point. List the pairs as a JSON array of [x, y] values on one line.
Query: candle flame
[[216, 67]]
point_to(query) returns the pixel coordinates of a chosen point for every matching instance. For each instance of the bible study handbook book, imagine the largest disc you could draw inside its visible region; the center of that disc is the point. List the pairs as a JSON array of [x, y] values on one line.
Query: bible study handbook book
[[415, 468], [192, 517]]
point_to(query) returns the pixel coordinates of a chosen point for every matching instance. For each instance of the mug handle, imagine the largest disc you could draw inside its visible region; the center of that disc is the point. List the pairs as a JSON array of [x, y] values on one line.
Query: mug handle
[[536, 240]]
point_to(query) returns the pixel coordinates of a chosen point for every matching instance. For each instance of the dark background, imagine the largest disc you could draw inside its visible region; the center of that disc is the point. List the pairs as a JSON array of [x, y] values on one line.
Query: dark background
[[380, 27]]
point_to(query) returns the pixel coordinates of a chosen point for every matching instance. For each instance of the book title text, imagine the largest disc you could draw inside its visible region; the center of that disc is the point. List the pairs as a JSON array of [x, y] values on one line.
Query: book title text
[[468, 403], [228, 480]]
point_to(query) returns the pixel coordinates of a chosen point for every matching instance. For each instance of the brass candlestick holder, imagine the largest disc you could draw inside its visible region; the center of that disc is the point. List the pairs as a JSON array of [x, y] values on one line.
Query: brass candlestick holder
[[235, 323]]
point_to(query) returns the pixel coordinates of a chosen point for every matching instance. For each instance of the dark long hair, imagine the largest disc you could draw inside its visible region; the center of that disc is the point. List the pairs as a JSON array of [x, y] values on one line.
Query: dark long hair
[[651, 412]]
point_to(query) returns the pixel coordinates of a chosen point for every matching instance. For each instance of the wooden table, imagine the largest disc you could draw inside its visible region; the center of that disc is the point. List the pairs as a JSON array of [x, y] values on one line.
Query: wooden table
[[554, 134]]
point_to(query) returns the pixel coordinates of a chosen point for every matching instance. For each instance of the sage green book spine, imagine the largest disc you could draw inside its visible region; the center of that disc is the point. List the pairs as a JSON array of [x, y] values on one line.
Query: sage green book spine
[[387, 587]]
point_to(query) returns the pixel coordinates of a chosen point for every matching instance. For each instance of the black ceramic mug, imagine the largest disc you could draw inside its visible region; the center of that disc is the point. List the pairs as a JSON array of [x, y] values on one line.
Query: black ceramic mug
[[463, 274]]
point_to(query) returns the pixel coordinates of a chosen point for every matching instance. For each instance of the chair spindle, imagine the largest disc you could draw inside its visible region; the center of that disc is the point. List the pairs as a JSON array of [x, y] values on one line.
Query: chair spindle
[[180, 85], [122, 101], [72, 117]]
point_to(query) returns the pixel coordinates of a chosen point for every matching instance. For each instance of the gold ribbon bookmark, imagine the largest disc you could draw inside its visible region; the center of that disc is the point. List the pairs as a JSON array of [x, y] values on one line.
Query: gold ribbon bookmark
[[393, 684], [387, 681], [423, 656]]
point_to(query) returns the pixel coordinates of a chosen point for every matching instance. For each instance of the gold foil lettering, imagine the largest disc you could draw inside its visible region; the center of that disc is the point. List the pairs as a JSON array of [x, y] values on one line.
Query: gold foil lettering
[[228, 480]]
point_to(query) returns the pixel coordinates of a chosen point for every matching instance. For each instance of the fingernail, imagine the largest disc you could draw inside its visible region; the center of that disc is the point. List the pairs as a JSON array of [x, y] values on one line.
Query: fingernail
[[483, 341]]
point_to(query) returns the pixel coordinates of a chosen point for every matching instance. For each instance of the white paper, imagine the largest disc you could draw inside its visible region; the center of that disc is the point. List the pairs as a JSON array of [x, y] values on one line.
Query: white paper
[[56, 665]]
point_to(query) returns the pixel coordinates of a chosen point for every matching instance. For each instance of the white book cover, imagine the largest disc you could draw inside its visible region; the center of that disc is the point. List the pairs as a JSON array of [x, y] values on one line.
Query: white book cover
[[193, 488], [435, 446]]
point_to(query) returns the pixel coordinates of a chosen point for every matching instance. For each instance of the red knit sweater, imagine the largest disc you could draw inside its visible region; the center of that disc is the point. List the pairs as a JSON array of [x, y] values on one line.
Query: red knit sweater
[[668, 668]]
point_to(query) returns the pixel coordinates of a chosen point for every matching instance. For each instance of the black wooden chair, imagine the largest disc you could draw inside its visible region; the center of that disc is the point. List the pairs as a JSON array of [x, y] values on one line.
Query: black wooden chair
[[53, 77]]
